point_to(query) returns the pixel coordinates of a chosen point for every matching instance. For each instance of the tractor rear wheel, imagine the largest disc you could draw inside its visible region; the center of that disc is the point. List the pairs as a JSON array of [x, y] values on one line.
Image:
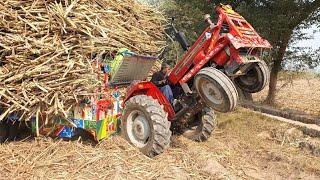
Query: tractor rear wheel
[[4, 131], [256, 79], [216, 89], [202, 126], [145, 125]]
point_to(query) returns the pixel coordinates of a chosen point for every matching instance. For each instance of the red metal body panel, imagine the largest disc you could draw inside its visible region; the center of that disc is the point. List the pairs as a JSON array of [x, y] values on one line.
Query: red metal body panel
[[149, 89], [183, 66], [221, 58]]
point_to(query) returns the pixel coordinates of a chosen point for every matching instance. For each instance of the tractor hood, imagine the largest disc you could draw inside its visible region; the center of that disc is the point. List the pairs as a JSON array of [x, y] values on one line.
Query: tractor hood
[[241, 33], [244, 42]]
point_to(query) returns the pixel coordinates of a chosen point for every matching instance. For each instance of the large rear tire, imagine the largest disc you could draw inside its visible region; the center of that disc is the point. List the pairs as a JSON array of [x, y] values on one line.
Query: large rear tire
[[216, 89], [145, 125], [204, 124], [256, 79]]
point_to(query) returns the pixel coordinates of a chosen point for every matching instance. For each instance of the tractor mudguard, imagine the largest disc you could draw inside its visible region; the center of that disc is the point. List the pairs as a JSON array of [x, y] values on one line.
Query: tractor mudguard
[[149, 89]]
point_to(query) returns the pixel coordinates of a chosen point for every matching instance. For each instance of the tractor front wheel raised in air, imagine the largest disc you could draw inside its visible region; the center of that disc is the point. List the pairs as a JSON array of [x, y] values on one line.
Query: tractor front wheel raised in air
[[216, 90], [145, 125], [201, 126], [256, 79]]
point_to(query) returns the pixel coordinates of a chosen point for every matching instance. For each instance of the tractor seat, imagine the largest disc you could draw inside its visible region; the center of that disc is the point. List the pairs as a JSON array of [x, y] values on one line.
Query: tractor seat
[[132, 68]]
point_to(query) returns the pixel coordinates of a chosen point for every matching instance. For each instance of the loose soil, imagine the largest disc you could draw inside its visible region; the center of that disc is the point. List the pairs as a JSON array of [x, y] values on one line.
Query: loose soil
[[246, 145], [296, 91]]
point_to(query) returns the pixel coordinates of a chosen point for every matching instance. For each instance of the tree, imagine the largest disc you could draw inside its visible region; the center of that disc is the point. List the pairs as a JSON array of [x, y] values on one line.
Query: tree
[[302, 59]]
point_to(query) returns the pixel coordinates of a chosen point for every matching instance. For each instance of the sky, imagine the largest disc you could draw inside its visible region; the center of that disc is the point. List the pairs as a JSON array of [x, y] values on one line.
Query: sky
[[313, 43]]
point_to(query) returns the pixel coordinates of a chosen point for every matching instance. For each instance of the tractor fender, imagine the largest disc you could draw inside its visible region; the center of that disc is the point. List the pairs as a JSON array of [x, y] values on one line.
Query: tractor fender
[[149, 89]]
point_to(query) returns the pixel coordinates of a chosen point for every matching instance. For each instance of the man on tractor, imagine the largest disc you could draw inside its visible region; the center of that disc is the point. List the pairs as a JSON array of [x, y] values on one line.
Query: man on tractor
[[160, 80]]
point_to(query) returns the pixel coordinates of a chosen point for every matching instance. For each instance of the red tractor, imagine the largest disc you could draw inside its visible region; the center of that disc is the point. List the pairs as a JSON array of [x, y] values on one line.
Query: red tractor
[[226, 54]]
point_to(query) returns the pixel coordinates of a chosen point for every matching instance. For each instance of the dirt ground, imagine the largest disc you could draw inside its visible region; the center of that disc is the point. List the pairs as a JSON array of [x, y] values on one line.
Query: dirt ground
[[296, 91], [246, 145]]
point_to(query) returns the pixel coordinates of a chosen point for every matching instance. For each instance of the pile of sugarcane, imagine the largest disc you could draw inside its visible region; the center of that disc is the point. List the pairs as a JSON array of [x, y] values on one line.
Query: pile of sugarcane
[[47, 49]]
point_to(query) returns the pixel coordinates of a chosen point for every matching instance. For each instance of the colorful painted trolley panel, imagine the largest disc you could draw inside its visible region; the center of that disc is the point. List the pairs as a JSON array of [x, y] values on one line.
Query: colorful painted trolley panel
[[101, 118]]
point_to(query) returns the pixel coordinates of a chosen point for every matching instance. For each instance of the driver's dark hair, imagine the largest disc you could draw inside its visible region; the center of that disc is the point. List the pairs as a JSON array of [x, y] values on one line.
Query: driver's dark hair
[[164, 65]]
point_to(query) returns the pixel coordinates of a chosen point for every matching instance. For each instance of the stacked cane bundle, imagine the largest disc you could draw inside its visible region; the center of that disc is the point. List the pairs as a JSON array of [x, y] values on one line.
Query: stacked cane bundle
[[46, 49]]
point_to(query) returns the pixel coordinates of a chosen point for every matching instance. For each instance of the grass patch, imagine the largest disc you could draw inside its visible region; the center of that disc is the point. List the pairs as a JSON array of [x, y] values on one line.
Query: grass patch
[[283, 75], [266, 145]]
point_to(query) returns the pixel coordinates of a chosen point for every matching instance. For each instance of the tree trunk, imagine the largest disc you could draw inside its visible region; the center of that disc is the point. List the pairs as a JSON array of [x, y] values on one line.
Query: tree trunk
[[274, 74]]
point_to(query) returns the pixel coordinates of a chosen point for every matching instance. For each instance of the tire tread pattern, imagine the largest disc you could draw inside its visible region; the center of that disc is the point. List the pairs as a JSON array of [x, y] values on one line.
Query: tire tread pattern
[[159, 123], [209, 123]]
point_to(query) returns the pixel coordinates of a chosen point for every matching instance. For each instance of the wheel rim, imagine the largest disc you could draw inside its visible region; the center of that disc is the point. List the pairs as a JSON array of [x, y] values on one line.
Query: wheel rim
[[210, 91], [138, 129]]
